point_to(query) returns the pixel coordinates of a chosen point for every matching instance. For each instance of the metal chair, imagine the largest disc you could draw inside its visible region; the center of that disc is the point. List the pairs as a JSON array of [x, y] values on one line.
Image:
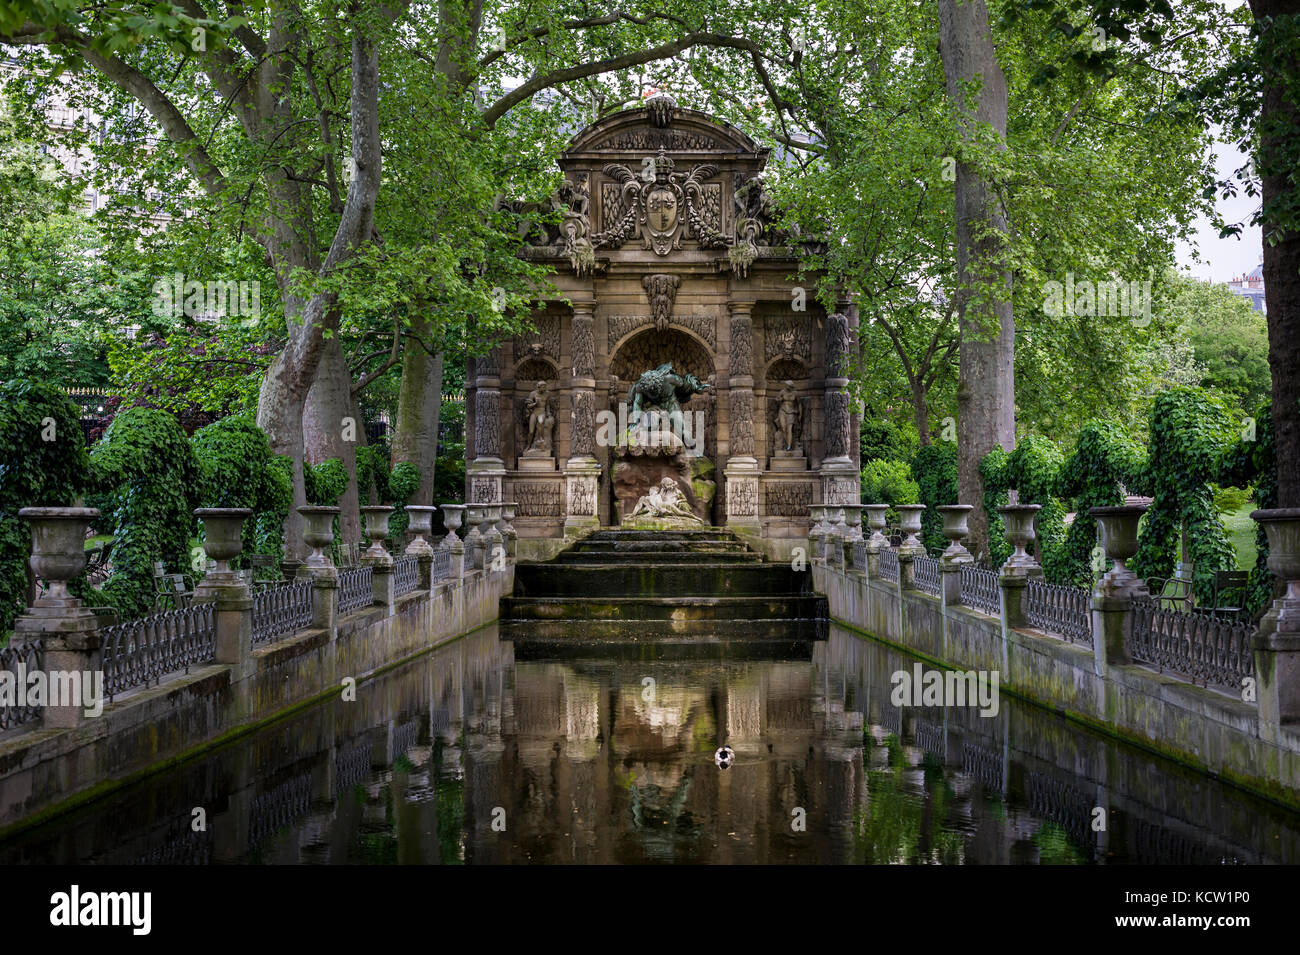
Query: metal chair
[[1229, 595], [174, 589], [1171, 593]]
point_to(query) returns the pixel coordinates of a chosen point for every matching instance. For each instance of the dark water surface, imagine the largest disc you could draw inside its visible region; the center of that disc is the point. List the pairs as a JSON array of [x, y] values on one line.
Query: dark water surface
[[488, 751]]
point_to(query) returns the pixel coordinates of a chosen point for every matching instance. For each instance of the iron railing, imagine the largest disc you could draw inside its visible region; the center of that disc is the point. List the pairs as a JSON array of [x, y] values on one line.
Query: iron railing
[[21, 660], [860, 556], [888, 563], [979, 590], [1205, 648], [406, 575], [441, 564], [141, 652], [356, 589], [1059, 609], [927, 575], [280, 610], [278, 808]]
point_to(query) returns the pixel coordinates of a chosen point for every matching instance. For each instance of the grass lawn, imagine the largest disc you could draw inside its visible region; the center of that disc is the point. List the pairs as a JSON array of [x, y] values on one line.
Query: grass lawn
[[1241, 534]]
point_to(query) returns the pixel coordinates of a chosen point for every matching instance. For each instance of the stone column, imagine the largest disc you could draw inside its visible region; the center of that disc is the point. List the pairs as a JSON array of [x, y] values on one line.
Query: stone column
[[487, 470], [227, 589], [1277, 642], [582, 470], [841, 481], [318, 522], [69, 629], [452, 516], [742, 465], [377, 556], [1014, 575], [1112, 598], [952, 559]]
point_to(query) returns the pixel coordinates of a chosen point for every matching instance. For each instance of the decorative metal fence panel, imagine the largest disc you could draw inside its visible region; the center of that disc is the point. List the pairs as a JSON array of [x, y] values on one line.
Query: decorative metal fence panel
[[21, 660], [860, 556], [356, 589], [281, 610], [927, 575], [979, 590], [889, 563], [1059, 609], [1205, 648], [441, 564], [406, 575], [140, 652]]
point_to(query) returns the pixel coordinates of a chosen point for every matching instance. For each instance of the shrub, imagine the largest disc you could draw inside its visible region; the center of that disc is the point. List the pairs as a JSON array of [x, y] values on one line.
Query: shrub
[[935, 471], [43, 463]]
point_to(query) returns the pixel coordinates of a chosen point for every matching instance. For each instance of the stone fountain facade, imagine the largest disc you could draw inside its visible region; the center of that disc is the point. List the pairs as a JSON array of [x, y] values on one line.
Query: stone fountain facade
[[667, 252]]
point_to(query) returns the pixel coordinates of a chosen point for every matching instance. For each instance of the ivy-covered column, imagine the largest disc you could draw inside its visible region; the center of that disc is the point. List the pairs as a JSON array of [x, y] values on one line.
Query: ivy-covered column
[[742, 466], [487, 470], [841, 483], [582, 470]]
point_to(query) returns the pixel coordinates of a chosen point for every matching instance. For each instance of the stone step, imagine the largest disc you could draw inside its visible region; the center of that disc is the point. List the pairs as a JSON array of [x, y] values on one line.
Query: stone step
[[676, 611], [617, 640], [659, 557], [644, 579], [701, 545]]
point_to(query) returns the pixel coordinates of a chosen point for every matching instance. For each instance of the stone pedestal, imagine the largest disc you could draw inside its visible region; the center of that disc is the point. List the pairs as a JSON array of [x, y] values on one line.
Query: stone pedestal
[[581, 494], [788, 461], [1013, 598], [69, 629], [537, 462], [742, 493]]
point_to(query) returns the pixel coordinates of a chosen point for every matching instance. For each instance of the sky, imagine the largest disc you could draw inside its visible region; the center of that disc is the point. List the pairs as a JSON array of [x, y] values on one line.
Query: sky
[[1224, 259]]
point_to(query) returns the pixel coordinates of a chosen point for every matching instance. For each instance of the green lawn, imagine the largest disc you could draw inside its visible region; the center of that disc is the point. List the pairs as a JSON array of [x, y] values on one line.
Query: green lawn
[[1241, 533]]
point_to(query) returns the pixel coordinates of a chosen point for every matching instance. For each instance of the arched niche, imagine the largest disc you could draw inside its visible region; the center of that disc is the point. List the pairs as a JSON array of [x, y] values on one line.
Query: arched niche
[[648, 349]]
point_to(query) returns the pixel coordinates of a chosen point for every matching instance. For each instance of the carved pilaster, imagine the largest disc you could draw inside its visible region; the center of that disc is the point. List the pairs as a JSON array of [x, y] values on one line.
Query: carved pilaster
[[487, 423], [741, 392], [584, 342], [838, 421], [582, 441], [742, 341]]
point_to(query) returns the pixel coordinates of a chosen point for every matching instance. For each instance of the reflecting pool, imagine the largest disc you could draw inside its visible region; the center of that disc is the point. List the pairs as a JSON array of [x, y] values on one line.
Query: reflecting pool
[[492, 750]]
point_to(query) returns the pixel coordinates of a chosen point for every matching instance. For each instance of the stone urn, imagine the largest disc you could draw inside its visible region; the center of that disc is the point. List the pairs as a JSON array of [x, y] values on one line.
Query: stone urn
[[1019, 521], [1117, 532], [1282, 525], [877, 515], [376, 516], [318, 532], [453, 515], [852, 523], [955, 531], [909, 518], [421, 529], [474, 514], [817, 515], [58, 551], [223, 538]]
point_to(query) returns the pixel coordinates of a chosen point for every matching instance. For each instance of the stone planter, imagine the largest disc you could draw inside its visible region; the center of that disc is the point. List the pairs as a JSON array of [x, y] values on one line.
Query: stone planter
[[376, 516], [1019, 520], [58, 550], [955, 531], [223, 540], [318, 532], [474, 516], [421, 529], [877, 514], [453, 515], [909, 518], [1117, 533], [853, 523]]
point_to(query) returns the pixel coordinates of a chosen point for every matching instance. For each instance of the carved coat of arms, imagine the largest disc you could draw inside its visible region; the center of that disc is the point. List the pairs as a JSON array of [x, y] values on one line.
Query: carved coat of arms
[[661, 204]]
